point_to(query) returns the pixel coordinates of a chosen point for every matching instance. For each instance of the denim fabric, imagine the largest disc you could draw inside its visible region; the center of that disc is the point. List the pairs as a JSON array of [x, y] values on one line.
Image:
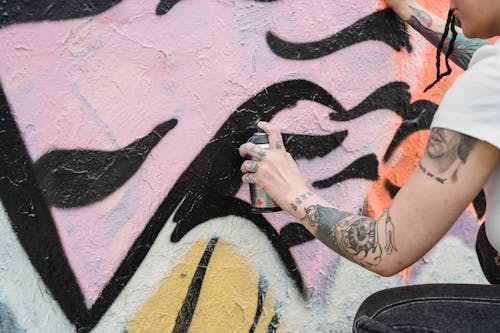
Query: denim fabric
[[487, 256], [431, 308]]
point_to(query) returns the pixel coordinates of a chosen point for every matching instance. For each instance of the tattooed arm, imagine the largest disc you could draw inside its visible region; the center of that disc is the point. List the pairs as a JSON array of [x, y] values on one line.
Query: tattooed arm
[[451, 172], [431, 27], [361, 239]]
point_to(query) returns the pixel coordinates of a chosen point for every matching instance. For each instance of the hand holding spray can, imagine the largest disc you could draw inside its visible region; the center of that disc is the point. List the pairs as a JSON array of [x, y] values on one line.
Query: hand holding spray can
[[260, 201]]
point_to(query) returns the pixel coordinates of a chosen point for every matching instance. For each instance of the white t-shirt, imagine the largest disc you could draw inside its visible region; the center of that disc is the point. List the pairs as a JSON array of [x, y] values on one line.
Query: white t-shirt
[[472, 107]]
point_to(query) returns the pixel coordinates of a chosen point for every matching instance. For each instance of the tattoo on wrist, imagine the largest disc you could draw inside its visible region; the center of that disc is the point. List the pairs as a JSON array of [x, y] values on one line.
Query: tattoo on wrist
[[279, 145], [298, 200]]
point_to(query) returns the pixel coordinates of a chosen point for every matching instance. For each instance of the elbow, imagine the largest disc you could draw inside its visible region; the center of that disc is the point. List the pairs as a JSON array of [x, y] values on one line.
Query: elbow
[[387, 271]]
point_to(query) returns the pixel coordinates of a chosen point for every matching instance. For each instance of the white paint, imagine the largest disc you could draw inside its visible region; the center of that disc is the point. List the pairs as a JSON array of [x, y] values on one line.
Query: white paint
[[22, 289]]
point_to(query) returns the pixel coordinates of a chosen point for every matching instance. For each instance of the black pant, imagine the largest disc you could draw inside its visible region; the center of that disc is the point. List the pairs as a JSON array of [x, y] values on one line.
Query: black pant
[[450, 308], [437, 308]]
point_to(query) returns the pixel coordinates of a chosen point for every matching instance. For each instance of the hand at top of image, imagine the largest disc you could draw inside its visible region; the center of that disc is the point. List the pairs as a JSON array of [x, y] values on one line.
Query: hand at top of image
[[401, 7]]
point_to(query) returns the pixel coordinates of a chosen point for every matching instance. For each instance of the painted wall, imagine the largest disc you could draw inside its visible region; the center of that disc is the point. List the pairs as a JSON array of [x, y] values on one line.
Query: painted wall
[[122, 203]]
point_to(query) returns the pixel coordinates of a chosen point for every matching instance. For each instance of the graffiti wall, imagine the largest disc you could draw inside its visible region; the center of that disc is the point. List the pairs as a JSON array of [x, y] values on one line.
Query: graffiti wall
[[122, 208]]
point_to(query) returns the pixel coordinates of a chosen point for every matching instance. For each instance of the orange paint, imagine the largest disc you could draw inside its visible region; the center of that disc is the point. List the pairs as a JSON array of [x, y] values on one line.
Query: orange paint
[[418, 69]]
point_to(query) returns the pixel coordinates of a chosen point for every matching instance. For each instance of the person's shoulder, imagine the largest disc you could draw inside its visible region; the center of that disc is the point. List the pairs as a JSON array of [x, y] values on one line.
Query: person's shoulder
[[482, 77], [486, 57], [472, 104]]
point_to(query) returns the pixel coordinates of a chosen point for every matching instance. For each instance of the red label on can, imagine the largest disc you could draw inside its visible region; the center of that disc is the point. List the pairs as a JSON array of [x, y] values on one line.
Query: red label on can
[[259, 202]]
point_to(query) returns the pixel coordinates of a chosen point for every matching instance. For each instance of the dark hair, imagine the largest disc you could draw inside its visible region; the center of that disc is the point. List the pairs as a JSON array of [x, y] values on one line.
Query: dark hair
[[465, 146], [450, 24]]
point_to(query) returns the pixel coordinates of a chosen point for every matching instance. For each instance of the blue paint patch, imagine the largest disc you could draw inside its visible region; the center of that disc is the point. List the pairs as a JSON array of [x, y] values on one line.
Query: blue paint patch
[[8, 322]]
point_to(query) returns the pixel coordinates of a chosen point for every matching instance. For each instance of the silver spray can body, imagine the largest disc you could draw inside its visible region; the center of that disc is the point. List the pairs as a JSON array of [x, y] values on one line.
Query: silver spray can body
[[260, 201]]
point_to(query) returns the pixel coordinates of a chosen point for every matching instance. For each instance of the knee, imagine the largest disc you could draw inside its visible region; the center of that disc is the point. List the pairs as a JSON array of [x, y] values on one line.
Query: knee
[[365, 324], [366, 320]]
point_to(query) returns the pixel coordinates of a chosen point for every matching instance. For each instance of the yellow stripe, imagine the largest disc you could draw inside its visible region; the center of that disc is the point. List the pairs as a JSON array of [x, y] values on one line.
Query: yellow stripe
[[227, 301]]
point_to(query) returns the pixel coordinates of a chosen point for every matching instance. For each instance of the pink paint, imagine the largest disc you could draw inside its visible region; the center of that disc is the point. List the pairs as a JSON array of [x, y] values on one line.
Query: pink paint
[[102, 83]]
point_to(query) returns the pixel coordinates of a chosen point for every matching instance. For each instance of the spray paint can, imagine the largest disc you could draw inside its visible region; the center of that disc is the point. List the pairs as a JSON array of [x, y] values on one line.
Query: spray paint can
[[260, 201]]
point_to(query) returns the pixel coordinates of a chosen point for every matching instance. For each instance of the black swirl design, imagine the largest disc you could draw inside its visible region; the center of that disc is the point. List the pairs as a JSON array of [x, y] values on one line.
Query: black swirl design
[[74, 178], [381, 26]]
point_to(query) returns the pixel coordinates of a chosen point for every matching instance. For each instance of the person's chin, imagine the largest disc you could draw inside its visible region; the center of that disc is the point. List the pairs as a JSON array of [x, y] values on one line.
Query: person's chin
[[469, 33], [476, 33], [458, 20]]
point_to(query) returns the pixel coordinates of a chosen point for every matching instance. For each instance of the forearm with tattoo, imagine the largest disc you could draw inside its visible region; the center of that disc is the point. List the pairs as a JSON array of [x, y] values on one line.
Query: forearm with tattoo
[[464, 47], [352, 236]]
